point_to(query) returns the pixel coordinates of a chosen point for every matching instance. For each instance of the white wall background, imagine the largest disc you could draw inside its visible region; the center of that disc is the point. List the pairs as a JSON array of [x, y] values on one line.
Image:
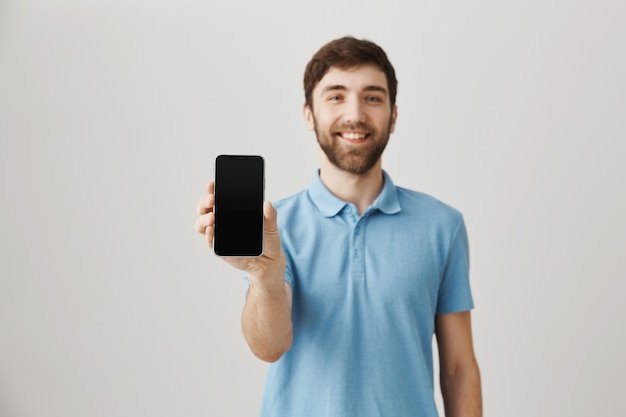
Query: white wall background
[[112, 111]]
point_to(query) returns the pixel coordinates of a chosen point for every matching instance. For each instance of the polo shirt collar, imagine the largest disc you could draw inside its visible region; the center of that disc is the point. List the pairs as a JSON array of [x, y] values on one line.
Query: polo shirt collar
[[329, 205], [387, 201]]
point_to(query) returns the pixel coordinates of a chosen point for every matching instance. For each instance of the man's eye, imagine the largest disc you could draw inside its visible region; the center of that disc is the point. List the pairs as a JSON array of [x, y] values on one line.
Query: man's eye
[[334, 98], [373, 99]]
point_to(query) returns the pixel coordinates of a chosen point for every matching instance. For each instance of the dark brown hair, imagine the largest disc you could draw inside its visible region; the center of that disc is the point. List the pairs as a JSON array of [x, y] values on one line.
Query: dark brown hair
[[345, 53]]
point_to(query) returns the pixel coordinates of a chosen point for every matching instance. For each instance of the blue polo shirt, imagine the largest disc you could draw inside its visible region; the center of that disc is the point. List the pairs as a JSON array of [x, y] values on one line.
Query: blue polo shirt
[[366, 290]]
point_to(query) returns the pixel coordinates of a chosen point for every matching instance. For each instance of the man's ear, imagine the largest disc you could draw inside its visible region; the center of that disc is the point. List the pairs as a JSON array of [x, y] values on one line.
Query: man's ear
[[307, 112], [394, 116]]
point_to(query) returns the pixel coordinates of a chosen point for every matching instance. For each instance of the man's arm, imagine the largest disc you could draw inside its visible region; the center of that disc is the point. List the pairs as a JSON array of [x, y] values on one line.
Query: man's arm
[[266, 321], [459, 373]]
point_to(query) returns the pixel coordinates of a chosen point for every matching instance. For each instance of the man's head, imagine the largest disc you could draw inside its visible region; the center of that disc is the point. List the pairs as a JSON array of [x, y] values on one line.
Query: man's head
[[344, 53], [350, 89]]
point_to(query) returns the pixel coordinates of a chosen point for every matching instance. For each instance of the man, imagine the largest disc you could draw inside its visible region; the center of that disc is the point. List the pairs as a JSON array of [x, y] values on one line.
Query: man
[[358, 274]]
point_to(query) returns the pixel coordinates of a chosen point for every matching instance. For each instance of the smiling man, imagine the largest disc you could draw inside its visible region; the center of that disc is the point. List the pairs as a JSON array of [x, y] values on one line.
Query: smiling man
[[353, 108], [358, 274]]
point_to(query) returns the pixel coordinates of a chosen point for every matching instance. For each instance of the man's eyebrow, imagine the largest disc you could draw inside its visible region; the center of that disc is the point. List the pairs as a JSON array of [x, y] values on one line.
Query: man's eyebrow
[[333, 88], [378, 88], [339, 87]]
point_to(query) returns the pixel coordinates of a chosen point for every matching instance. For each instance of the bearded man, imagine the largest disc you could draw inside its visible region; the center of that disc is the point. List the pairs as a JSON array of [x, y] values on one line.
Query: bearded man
[[358, 274]]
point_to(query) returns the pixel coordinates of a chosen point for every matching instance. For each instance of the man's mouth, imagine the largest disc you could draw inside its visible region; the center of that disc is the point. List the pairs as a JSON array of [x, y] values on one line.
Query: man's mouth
[[354, 137]]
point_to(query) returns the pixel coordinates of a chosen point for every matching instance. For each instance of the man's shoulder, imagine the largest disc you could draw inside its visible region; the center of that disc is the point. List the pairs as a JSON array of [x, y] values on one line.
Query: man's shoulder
[[295, 214], [411, 200], [291, 202], [295, 206]]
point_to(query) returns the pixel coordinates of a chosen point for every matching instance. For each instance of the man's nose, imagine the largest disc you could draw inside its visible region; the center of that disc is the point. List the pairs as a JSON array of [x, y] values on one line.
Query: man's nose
[[355, 111]]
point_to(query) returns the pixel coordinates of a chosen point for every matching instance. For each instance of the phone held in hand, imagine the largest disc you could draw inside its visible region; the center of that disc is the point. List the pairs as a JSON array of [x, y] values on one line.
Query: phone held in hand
[[239, 189]]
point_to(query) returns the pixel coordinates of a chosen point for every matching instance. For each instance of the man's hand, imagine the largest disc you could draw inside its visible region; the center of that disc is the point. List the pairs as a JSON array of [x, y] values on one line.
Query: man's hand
[[260, 269], [266, 320]]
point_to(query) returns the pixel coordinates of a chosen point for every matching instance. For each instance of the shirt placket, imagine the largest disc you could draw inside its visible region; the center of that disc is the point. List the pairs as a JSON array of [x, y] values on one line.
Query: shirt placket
[[357, 255]]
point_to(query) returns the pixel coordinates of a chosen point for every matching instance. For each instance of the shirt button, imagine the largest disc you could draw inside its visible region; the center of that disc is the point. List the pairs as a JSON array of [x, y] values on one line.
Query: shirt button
[[356, 231], [356, 253]]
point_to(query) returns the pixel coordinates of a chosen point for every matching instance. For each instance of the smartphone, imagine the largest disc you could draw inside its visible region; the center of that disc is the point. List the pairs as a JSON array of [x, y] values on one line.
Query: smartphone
[[239, 189]]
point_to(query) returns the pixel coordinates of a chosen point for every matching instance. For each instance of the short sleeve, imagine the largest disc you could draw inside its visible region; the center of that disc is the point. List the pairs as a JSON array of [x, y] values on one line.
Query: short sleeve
[[454, 293], [288, 273]]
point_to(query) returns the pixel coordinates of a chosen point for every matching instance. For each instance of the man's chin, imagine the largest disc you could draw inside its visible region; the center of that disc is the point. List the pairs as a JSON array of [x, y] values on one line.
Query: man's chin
[[355, 159], [357, 167]]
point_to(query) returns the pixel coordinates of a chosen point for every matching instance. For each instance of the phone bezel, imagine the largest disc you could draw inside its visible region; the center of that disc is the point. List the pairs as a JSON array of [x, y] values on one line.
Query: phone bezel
[[215, 208]]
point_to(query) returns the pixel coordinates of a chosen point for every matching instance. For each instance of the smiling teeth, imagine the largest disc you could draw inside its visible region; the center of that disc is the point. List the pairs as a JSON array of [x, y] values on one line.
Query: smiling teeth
[[353, 136]]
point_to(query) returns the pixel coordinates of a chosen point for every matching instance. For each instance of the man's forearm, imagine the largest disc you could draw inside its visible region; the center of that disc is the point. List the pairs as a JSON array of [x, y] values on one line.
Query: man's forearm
[[461, 391], [266, 320]]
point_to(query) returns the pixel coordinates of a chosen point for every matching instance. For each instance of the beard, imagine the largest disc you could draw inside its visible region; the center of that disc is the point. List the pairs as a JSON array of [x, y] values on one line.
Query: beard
[[356, 159]]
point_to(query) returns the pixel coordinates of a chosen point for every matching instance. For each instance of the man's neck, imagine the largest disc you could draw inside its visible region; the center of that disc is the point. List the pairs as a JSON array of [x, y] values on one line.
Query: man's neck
[[358, 189]]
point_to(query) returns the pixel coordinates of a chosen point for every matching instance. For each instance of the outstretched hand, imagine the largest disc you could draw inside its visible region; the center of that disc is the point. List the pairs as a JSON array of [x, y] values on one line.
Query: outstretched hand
[[270, 263]]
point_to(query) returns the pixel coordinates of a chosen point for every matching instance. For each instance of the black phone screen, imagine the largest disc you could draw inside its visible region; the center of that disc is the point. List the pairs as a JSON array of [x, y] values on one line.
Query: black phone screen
[[239, 187]]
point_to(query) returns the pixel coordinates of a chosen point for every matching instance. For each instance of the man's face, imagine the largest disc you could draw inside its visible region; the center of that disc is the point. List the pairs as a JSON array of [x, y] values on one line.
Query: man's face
[[352, 116]]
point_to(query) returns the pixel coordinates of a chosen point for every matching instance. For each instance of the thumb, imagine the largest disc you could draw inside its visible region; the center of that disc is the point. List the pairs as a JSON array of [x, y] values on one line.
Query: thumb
[[272, 235], [269, 212]]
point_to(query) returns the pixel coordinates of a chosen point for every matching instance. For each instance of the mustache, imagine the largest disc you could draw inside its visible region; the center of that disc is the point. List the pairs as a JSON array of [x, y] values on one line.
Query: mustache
[[364, 127]]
